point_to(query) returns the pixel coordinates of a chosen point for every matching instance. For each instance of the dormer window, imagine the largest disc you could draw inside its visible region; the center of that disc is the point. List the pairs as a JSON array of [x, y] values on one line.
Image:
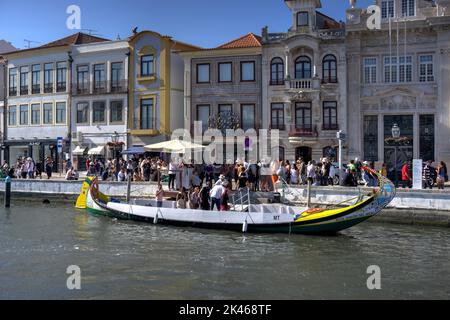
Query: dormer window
[[408, 8], [302, 19]]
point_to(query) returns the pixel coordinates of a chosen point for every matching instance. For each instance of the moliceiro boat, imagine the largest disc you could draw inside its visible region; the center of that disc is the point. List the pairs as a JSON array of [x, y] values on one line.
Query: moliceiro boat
[[244, 216]]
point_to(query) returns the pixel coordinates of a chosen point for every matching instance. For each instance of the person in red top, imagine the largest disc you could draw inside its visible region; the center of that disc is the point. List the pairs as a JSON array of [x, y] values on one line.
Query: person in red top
[[406, 175]]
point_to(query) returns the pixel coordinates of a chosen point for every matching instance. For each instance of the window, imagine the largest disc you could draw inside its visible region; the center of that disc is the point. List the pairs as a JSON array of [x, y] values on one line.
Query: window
[[48, 113], [277, 72], [427, 141], [303, 116], [147, 109], [116, 111], [147, 65], [398, 72], [13, 81], [408, 8], [330, 115], [60, 112], [203, 114], [426, 72], [329, 71], [248, 71], [303, 68], [225, 72], [98, 111], [302, 19], [23, 115], [82, 112], [36, 79], [371, 138], [12, 116], [387, 9], [203, 73], [35, 114], [24, 80], [116, 76], [248, 117], [225, 110], [82, 79], [277, 116], [99, 78], [61, 75], [48, 77], [370, 70]]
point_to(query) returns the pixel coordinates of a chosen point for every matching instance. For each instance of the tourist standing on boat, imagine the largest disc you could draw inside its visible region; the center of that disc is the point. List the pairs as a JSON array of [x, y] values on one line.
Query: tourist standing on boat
[[49, 167], [194, 198], [181, 199], [172, 174], [159, 195], [242, 177], [225, 198], [216, 196], [204, 197], [220, 180]]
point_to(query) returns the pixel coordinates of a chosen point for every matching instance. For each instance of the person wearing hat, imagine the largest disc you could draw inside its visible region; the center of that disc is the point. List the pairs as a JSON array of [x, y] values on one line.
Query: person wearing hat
[[220, 180], [216, 195]]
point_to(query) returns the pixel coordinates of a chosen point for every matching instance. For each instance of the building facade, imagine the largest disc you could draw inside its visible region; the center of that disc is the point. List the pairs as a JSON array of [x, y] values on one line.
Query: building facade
[[399, 75], [99, 99], [223, 85], [38, 101], [304, 83], [156, 87]]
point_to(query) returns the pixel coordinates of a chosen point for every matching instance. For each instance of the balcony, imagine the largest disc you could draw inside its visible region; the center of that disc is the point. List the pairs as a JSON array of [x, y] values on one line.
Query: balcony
[[120, 86], [303, 131], [23, 90], [81, 88], [303, 134], [99, 87], [36, 89], [61, 87], [280, 127], [295, 85], [48, 88], [13, 92], [329, 127]]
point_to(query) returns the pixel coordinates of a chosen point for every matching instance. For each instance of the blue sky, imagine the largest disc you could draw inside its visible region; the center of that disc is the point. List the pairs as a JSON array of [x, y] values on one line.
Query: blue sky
[[206, 23]]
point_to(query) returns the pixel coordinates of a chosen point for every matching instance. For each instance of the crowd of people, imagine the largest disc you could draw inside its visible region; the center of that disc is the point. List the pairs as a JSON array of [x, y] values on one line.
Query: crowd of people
[[27, 168]]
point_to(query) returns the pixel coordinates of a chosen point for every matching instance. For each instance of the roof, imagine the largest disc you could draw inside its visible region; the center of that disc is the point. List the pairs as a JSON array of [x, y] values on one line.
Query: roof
[[77, 38], [5, 46], [74, 39], [248, 41], [178, 45]]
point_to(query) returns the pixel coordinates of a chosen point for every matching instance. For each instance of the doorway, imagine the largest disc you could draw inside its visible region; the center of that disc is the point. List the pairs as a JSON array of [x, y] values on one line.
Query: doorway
[[303, 152]]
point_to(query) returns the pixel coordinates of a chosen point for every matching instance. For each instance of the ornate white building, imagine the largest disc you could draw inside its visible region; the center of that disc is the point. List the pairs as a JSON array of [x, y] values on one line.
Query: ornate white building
[[399, 75], [304, 82]]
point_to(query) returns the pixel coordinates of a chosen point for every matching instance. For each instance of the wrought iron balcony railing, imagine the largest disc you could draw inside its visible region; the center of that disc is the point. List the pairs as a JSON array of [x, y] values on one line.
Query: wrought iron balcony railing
[[303, 131]]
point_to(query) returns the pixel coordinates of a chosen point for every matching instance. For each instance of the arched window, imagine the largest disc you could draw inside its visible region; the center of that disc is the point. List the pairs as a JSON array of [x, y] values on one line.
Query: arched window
[[331, 153], [277, 72], [329, 70], [303, 68]]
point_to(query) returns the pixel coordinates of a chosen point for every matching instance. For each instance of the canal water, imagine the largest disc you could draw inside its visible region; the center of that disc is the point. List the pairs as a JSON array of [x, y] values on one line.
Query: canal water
[[128, 260]]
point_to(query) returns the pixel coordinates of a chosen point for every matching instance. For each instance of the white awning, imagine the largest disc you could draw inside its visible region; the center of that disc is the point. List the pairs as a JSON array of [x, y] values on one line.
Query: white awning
[[78, 151], [96, 151]]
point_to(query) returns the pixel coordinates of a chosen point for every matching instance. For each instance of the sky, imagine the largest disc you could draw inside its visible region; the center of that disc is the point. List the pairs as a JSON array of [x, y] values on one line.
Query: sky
[[205, 23]]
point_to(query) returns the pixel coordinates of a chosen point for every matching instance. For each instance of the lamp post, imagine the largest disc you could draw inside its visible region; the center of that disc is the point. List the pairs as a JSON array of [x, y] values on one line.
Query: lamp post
[[395, 135]]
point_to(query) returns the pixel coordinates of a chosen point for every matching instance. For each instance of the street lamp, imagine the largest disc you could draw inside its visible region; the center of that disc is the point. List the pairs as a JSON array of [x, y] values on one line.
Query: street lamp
[[395, 135]]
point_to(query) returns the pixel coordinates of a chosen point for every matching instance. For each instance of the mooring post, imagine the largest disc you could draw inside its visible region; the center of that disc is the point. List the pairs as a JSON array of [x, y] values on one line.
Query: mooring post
[[308, 203], [128, 188], [7, 196]]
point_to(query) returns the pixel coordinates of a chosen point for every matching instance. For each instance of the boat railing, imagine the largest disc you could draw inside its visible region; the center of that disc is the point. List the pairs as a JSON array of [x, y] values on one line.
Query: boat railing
[[240, 199]]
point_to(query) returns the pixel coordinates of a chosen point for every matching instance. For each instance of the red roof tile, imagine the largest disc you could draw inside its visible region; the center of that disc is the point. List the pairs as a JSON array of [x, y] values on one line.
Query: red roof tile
[[77, 38], [248, 41]]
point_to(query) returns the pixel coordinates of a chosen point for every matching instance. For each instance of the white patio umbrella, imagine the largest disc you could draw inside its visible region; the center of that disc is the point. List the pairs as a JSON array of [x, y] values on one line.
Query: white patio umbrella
[[178, 146]]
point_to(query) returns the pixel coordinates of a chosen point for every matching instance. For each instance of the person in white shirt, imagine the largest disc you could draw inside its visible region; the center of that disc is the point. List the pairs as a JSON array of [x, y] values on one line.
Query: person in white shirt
[[216, 195], [173, 167]]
